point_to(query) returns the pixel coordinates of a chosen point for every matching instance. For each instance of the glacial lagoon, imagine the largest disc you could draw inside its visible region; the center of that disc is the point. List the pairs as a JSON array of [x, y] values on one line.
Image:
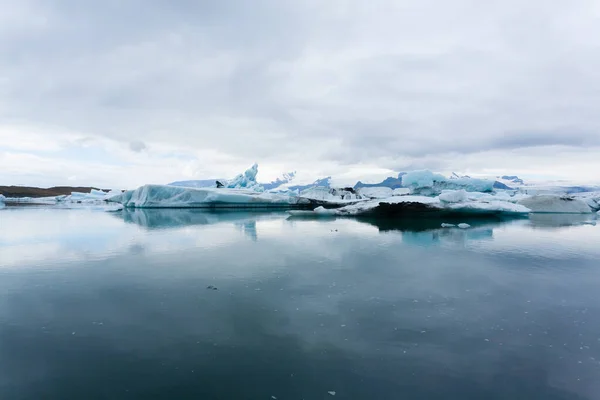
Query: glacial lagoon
[[189, 304]]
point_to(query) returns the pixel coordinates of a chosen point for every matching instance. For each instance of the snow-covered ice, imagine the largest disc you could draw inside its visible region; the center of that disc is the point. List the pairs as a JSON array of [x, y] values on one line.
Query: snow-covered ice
[[429, 183], [334, 196], [453, 196], [376, 192], [401, 192], [163, 196], [555, 204], [247, 180]]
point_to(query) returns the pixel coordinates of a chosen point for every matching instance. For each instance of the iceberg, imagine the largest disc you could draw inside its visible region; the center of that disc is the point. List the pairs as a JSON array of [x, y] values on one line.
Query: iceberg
[[555, 204], [203, 183], [2, 198], [427, 183], [401, 192], [449, 202], [375, 192], [164, 196], [247, 180], [331, 195], [453, 196]]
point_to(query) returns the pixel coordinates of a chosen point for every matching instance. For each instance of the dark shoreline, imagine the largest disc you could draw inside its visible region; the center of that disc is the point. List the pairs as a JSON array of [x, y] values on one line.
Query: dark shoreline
[[30, 191]]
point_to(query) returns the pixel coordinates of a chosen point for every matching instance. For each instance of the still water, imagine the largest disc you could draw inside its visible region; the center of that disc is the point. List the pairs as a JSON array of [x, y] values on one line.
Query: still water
[[101, 305]]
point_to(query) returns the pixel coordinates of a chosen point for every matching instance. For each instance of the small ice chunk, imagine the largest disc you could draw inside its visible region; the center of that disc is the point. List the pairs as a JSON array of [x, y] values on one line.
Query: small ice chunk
[[464, 226], [444, 225], [332, 393]]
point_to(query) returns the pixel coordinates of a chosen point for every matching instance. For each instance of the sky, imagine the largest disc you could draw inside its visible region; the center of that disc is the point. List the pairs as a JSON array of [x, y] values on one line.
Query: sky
[[120, 93]]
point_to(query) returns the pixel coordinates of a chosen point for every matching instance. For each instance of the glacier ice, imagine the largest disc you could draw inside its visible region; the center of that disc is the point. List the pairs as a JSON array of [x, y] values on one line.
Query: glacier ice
[[163, 196], [421, 179], [2, 198], [555, 204], [464, 226], [401, 192], [334, 196], [461, 204], [453, 196], [375, 192], [247, 180], [428, 183], [445, 225]]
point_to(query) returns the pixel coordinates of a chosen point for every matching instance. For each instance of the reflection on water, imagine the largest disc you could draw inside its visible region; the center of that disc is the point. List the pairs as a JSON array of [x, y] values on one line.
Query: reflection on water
[[115, 305], [559, 220]]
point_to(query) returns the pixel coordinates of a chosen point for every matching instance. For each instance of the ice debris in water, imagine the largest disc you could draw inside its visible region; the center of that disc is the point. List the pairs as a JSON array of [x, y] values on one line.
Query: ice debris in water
[[332, 393], [444, 225], [464, 226]]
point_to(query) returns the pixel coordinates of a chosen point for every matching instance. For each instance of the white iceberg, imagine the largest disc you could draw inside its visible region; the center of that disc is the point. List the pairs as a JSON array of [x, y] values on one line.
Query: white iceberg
[[401, 192], [331, 195], [247, 180], [453, 196], [413, 203], [464, 226], [555, 204], [444, 225], [375, 192], [163, 196], [2, 198], [427, 183]]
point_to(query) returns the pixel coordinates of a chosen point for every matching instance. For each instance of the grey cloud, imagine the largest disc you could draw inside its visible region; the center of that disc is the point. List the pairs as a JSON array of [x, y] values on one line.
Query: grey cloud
[[340, 82], [137, 146]]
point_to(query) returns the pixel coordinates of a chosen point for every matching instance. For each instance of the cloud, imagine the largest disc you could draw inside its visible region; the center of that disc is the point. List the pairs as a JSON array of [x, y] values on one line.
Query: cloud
[[137, 146], [324, 87]]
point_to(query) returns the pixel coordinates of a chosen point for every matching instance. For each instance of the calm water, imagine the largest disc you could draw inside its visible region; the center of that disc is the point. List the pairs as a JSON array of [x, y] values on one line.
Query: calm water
[[97, 305]]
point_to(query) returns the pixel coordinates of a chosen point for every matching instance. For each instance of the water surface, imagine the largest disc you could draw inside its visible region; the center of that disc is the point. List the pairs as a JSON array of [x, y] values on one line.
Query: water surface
[[97, 305]]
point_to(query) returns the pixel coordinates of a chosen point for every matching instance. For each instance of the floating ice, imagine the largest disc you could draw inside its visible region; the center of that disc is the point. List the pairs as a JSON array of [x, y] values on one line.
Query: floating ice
[[2, 198], [247, 180], [334, 196], [444, 225], [453, 196], [428, 183], [415, 203], [401, 192], [555, 204], [163, 196], [464, 226], [421, 179], [375, 192]]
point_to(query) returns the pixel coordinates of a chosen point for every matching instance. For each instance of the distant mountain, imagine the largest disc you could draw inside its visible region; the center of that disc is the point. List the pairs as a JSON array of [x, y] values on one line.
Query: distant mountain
[[325, 182], [390, 182], [513, 179], [500, 185], [204, 183]]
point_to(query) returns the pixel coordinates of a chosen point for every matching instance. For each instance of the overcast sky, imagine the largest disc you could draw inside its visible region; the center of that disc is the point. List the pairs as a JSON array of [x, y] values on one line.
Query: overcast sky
[[126, 92]]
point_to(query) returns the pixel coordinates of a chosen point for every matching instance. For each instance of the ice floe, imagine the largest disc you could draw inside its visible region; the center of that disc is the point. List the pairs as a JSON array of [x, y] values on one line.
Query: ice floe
[[163, 196], [555, 204]]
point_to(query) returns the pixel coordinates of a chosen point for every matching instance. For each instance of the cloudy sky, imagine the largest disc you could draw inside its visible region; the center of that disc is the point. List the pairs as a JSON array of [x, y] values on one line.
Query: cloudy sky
[[126, 92]]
